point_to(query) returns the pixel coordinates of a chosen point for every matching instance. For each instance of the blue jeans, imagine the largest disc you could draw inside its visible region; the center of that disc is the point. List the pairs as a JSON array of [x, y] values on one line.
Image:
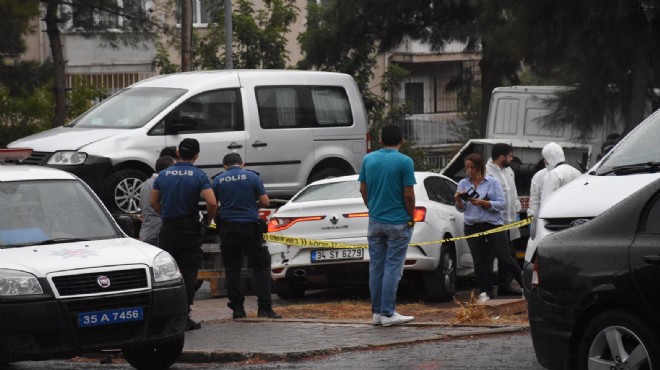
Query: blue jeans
[[388, 244]]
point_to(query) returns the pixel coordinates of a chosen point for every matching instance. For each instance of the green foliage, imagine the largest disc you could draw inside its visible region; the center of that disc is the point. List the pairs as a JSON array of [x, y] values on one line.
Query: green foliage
[[83, 95], [162, 60], [14, 24]]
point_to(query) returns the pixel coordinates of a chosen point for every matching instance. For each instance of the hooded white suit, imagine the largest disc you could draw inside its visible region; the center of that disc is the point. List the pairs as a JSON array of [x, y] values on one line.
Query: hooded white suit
[[559, 173], [506, 177]]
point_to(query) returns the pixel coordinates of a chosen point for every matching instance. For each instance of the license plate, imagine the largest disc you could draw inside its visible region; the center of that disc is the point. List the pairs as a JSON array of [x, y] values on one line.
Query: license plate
[[337, 255], [110, 316]]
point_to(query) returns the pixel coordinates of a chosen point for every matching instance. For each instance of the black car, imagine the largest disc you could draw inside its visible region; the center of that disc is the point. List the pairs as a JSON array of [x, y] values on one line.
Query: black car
[[595, 299]]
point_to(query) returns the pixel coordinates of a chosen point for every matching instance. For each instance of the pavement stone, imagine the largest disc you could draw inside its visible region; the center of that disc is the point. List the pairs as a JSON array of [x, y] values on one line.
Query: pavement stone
[[222, 339]]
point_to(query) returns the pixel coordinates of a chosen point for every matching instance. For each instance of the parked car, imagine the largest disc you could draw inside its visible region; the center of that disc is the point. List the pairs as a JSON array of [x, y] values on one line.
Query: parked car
[[71, 281], [632, 164], [333, 210], [259, 114], [594, 302]]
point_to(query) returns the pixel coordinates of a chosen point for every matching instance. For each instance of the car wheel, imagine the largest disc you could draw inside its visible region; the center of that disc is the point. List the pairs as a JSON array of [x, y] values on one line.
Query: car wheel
[[325, 173], [618, 340], [288, 289], [440, 284], [121, 191], [154, 357]]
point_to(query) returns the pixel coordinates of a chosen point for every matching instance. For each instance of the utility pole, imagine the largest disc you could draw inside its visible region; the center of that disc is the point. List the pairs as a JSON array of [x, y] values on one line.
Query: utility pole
[[229, 61]]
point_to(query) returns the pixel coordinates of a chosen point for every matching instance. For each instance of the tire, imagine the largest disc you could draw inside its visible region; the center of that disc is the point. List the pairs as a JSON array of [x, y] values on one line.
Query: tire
[[154, 357], [595, 351], [440, 284], [288, 289], [121, 191], [325, 173]]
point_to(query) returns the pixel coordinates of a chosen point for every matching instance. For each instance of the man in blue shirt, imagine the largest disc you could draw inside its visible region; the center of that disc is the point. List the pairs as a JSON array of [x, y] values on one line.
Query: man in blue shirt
[[175, 196], [240, 193], [386, 183]]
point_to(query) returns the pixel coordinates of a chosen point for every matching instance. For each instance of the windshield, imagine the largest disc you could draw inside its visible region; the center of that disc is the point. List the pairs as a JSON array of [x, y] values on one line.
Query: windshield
[[129, 108], [330, 191], [45, 212], [640, 147]]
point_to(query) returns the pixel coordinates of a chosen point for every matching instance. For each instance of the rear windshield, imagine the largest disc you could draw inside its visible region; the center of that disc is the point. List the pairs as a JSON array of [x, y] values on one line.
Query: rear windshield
[[130, 108], [330, 191], [47, 212]]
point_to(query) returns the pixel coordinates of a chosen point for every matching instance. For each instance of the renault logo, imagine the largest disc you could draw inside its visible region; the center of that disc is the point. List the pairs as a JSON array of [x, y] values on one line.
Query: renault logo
[[334, 220], [103, 281]]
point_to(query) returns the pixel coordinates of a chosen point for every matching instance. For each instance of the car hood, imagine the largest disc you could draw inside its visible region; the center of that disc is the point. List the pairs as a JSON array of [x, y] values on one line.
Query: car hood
[[44, 259], [64, 138], [588, 195]]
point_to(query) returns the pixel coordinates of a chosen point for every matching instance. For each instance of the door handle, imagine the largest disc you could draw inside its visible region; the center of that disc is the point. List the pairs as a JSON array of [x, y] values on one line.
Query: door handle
[[234, 145], [259, 143], [652, 260]]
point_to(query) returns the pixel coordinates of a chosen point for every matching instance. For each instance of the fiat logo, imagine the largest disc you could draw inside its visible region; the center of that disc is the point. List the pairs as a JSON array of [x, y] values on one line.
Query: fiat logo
[[103, 281]]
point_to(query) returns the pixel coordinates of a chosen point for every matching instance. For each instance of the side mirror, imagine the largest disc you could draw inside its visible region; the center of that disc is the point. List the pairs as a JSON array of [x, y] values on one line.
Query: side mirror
[[126, 225]]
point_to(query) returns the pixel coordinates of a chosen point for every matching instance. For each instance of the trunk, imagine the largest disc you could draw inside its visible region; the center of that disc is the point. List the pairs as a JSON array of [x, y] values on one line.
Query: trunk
[[59, 64], [186, 35], [489, 81], [636, 109]]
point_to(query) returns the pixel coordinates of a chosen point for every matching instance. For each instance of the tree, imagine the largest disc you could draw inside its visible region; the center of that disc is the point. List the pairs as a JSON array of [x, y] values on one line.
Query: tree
[[14, 24], [94, 18]]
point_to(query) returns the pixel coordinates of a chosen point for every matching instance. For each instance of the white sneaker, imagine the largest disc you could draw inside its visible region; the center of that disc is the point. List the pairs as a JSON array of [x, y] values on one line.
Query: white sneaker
[[376, 319], [483, 298], [395, 319]]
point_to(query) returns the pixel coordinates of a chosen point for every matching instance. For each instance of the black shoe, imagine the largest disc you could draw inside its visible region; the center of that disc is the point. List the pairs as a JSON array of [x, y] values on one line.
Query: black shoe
[[508, 291], [239, 313], [193, 325], [268, 313]]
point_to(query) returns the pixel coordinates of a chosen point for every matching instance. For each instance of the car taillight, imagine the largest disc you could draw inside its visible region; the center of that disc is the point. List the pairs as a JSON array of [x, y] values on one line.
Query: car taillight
[[283, 223], [535, 274], [368, 142], [420, 214], [354, 215]]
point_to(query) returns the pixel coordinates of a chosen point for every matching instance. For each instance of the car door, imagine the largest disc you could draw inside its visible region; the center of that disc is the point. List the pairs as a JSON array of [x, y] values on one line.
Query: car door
[[645, 255], [215, 119], [441, 191]]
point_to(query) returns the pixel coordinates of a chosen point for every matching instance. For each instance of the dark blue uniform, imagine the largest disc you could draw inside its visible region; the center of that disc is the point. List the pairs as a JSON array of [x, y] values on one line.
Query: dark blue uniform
[[238, 190], [180, 186]]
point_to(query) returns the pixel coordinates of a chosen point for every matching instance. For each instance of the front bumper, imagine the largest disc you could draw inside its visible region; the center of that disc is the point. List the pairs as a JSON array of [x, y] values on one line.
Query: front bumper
[[551, 329], [48, 328], [92, 172], [527, 273]]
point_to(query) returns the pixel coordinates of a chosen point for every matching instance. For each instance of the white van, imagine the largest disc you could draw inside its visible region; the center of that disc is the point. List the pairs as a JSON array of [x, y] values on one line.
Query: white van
[[293, 127], [632, 164], [73, 282]]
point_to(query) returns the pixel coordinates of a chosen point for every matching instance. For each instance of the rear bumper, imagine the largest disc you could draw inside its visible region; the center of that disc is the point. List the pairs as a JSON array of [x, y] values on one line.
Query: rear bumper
[[49, 328]]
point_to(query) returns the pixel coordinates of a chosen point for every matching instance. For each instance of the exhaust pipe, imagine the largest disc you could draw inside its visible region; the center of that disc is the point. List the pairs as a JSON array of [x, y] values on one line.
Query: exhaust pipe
[[299, 273]]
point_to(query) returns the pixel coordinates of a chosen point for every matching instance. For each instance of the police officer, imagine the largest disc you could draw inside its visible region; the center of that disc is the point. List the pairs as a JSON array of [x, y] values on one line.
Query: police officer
[[175, 195], [240, 193]]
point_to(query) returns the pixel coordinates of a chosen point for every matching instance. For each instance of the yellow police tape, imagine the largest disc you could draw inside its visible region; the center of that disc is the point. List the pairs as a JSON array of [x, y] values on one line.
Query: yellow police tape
[[302, 242]]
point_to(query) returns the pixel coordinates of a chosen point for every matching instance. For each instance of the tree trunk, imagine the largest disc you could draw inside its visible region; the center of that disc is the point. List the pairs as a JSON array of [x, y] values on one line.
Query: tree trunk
[[489, 80], [638, 86], [59, 64], [186, 35]]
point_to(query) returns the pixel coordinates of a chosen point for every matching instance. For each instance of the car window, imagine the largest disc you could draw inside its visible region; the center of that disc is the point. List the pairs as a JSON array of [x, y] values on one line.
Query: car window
[[329, 191], [652, 221], [213, 111], [438, 190], [35, 211]]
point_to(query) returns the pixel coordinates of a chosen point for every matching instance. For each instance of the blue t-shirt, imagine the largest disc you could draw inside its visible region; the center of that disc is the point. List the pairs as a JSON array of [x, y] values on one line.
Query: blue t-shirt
[[238, 190], [180, 186], [386, 172]]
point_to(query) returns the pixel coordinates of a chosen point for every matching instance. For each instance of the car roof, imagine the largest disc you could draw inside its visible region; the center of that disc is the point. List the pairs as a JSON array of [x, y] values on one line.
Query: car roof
[[419, 176], [12, 172]]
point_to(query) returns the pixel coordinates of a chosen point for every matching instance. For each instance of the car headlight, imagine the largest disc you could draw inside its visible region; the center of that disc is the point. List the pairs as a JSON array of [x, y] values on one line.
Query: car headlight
[[69, 157], [13, 283], [165, 268]]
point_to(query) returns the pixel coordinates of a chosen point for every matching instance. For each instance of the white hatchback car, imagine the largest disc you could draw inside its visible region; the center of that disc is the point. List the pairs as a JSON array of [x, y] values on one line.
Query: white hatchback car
[[333, 210]]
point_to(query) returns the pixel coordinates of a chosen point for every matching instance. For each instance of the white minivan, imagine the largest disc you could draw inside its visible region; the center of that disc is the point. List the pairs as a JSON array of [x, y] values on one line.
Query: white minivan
[[632, 164], [292, 127]]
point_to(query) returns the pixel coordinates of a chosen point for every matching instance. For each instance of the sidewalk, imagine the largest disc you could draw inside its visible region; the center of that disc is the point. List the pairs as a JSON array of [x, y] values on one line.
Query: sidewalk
[[222, 339]]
